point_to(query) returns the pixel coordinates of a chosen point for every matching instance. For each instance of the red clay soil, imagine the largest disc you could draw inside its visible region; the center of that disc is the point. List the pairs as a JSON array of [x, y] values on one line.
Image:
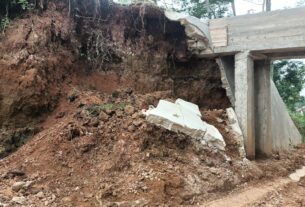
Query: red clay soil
[[99, 151]]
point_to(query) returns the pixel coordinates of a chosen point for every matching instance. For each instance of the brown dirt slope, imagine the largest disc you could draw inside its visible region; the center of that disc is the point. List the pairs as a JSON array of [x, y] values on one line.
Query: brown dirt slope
[[114, 48]]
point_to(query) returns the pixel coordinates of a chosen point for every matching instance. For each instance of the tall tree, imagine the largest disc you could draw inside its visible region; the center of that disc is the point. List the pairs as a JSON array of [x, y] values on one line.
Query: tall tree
[[268, 5], [210, 9], [233, 7]]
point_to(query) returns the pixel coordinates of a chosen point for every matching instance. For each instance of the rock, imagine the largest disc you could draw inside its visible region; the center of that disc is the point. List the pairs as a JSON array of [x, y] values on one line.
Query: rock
[[3, 205], [67, 199], [14, 173], [28, 184], [53, 197], [110, 112], [94, 122], [131, 128], [73, 132], [136, 115], [40, 195], [20, 200], [103, 116], [18, 186], [138, 122], [129, 110], [219, 120], [60, 115], [119, 114]]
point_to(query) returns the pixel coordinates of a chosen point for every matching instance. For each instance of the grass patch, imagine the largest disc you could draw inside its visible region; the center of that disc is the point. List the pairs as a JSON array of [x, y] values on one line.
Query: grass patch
[[95, 109]]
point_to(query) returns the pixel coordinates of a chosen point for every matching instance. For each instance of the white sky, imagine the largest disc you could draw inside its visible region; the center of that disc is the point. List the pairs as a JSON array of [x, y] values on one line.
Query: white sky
[[244, 6]]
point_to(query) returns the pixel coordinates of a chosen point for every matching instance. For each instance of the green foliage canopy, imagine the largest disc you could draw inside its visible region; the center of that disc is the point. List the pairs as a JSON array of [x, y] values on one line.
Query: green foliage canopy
[[9, 9], [215, 8], [289, 78]]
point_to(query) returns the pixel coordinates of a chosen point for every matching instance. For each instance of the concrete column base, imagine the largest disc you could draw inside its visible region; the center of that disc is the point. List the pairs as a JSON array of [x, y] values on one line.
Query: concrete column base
[[244, 99]]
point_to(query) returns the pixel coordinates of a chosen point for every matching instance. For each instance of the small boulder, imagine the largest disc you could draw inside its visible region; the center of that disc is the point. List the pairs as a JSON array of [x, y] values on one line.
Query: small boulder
[[20, 200], [138, 122], [40, 195], [110, 112], [119, 114], [18, 186], [103, 116], [129, 110], [131, 128], [94, 122]]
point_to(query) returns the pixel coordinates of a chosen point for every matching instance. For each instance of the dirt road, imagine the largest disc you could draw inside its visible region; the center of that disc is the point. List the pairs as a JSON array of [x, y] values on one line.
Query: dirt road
[[279, 192]]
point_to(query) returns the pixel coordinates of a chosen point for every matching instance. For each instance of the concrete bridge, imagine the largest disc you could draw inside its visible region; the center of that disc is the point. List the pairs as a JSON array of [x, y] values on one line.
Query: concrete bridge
[[244, 47]]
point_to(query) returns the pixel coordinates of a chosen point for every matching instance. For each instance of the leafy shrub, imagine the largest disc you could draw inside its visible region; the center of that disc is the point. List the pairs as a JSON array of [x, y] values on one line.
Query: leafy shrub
[[10, 9], [4, 22]]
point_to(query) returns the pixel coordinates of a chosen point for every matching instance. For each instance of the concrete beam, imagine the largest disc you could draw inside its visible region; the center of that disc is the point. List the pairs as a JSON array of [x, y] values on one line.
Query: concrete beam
[[244, 99], [270, 32], [263, 133]]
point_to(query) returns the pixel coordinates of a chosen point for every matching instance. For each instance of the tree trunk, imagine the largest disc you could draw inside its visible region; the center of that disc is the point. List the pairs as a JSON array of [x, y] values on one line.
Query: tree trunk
[[268, 5], [233, 7], [207, 4]]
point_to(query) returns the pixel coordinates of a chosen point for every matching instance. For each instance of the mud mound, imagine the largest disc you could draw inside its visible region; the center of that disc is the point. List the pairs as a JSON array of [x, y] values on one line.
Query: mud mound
[[99, 151]]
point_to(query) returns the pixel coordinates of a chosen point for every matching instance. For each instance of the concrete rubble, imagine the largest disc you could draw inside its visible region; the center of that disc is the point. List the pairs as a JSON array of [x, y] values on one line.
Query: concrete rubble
[[185, 117], [197, 31], [233, 123]]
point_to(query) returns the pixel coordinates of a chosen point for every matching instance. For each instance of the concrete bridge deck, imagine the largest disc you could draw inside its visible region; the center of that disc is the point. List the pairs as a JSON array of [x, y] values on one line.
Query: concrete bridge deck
[[274, 34]]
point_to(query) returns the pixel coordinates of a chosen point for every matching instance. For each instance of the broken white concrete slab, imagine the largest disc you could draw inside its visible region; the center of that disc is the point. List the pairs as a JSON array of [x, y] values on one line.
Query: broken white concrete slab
[[185, 117], [196, 30], [297, 175], [233, 123]]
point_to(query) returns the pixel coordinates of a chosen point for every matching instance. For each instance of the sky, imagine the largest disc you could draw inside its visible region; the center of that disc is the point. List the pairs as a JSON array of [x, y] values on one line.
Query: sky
[[244, 6]]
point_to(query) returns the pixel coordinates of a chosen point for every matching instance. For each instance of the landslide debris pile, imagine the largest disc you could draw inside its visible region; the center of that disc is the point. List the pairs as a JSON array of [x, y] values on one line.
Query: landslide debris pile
[[99, 151], [99, 46], [73, 81]]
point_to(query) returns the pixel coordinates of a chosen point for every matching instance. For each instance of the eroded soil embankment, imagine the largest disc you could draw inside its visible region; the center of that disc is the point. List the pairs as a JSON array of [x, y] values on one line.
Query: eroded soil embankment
[[111, 48]]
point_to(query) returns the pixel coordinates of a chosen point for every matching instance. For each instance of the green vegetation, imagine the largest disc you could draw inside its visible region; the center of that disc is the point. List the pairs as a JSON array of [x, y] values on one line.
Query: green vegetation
[[289, 78], [95, 109], [211, 10], [10, 9], [299, 120]]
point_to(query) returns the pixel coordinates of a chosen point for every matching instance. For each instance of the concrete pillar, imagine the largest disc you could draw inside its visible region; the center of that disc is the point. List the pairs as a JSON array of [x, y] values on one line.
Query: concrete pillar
[[244, 99], [263, 125]]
